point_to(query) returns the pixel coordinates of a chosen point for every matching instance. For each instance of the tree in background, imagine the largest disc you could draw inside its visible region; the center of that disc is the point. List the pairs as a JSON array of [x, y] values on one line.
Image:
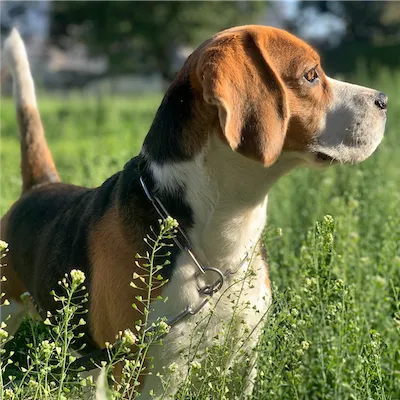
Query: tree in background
[[372, 21], [143, 36]]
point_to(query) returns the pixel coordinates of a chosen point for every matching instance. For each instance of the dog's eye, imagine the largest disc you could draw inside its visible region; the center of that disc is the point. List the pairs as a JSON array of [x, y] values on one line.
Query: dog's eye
[[311, 76]]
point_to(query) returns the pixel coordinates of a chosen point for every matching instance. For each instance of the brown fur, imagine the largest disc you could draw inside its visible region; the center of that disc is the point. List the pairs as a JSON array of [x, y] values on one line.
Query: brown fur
[[37, 165], [114, 262]]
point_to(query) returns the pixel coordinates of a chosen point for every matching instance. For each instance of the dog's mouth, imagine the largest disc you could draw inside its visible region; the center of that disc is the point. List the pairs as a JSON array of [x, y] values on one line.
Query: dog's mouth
[[325, 158]]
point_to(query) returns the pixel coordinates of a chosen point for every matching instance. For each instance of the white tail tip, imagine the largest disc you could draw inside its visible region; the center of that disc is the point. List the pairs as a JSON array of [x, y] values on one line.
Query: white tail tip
[[17, 61]]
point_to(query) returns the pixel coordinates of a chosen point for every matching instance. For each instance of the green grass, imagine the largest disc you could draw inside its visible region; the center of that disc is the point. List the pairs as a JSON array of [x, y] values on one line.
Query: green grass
[[334, 332]]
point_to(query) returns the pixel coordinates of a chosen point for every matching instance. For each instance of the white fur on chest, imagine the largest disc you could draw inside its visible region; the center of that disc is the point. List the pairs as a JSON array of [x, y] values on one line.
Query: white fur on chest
[[236, 312], [247, 285], [228, 196]]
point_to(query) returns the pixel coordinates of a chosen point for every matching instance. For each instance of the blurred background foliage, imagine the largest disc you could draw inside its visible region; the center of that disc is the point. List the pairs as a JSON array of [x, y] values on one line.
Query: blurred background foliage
[[155, 37], [145, 34]]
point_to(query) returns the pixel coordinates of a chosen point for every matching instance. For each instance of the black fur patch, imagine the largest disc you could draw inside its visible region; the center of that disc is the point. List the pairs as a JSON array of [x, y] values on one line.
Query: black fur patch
[[136, 208], [165, 138]]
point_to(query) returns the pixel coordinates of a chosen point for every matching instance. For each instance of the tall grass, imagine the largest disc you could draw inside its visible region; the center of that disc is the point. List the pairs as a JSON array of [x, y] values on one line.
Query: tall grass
[[334, 331]]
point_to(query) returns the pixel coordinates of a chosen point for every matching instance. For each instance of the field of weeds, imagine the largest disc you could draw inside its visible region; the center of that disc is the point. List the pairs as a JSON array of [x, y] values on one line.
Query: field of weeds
[[334, 331]]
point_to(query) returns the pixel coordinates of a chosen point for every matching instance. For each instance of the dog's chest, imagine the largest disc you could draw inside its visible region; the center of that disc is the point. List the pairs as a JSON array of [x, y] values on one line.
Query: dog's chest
[[231, 321], [237, 309]]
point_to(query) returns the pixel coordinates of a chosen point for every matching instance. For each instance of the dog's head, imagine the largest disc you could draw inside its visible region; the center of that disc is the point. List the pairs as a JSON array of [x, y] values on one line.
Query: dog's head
[[271, 95]]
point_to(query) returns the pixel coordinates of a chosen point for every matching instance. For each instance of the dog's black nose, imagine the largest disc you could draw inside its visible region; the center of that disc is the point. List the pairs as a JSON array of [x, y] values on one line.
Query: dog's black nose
[[381, 101]]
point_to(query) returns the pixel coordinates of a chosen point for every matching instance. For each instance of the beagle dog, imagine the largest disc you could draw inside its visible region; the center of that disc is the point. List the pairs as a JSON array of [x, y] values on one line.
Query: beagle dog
[[249, 105]]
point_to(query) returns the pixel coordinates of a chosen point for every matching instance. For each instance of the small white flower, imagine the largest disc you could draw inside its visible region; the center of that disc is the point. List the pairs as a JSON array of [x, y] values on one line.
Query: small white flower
[[129, 338], [3, 245], [195, 365], [173, 367], [163, 327], [3, 334], [77, 276], [172, 222], [305, 345], [9, 394]]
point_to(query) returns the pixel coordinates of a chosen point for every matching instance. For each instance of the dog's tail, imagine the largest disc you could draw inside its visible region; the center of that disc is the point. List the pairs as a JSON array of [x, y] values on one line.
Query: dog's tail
[[37, 165]]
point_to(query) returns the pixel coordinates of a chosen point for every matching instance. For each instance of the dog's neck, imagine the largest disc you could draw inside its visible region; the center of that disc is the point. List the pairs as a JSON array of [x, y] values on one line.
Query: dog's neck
[[227, 194]]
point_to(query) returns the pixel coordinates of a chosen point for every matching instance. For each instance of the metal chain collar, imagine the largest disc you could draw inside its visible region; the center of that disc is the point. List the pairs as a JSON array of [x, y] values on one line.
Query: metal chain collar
[[207, 291]]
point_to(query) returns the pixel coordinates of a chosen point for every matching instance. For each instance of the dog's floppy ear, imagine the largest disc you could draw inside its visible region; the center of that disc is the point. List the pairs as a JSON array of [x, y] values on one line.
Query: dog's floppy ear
[[237, 77]]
